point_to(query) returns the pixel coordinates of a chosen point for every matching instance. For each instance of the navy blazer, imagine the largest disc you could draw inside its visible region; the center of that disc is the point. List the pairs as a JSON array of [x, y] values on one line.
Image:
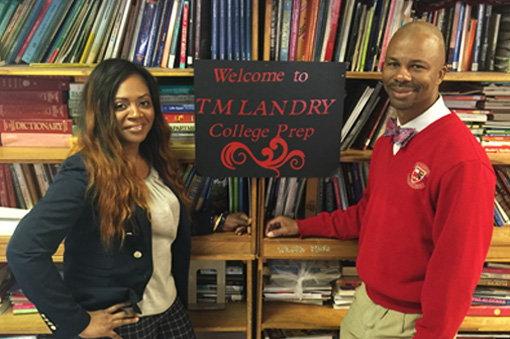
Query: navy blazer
[[94, 277]]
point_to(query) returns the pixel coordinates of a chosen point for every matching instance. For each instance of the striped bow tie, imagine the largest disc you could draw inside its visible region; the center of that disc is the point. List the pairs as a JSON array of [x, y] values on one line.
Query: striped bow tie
[[400, 135]]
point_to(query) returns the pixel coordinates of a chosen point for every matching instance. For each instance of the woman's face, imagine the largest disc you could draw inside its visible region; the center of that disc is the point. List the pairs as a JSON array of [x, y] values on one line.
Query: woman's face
[[134, 111]]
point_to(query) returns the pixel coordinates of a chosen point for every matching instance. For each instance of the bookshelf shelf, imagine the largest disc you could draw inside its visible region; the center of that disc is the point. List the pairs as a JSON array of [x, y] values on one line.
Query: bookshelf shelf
[[288, 316], [80, 70], [85, 70], [232, 319]]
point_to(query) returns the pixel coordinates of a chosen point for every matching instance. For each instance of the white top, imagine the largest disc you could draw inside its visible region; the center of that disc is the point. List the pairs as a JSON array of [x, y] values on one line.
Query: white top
[[434, 113], [160, 292]]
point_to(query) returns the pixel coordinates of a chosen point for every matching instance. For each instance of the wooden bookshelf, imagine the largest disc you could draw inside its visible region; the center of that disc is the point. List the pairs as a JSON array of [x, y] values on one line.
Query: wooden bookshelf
[[232, 319]]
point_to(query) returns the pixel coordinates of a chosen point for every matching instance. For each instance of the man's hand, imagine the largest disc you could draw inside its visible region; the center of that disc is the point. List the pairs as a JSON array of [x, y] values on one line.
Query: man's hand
[[281, 226], [238, 222], [103, 322]]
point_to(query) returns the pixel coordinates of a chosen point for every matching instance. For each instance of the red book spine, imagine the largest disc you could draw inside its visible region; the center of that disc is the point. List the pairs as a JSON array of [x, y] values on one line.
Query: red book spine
[[18, 83], [489, 310], [294, 29], [9, 185], [33, 111], [179, 117], [184, 34], [330, 44], [4, 199], [31, 97], [61, 126]]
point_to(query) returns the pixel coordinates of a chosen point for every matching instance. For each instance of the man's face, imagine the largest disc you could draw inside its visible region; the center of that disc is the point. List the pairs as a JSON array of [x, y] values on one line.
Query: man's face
[[413, 70]]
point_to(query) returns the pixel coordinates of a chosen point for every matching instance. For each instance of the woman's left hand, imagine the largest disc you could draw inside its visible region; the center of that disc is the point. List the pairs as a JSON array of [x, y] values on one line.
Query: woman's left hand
[[237, 222]]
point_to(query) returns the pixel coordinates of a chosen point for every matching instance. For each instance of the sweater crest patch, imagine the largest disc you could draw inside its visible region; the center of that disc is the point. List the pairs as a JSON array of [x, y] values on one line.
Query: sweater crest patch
[[416, 178]]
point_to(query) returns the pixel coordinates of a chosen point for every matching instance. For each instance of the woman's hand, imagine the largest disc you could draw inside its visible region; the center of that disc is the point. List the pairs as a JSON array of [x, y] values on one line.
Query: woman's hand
[[103, 322], [238, 222]]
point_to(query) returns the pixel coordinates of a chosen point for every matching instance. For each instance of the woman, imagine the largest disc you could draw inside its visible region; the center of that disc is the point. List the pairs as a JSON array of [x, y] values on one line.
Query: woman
[[120, 205]]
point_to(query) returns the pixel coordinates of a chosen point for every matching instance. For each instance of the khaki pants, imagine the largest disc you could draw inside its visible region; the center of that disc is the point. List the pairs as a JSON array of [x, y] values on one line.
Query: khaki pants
[[367, 320]]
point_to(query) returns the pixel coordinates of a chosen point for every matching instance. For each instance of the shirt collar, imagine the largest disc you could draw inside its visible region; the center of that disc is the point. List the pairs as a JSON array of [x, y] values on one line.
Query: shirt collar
[[434, 113]]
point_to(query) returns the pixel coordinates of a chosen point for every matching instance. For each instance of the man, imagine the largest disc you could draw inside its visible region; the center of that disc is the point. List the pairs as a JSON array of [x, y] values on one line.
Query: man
[[426, 218]]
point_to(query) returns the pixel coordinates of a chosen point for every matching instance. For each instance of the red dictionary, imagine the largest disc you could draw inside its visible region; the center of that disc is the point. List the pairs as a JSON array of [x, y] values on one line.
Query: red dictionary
[[33, 111], [17, 83], [59, 126], [35, 139], [23, 97]]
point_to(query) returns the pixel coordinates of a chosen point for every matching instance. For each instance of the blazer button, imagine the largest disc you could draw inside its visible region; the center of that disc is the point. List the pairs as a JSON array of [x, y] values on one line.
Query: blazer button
[[137, 255]]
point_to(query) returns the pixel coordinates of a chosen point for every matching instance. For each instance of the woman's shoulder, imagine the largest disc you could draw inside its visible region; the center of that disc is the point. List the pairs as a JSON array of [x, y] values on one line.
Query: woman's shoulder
[[73, 163]]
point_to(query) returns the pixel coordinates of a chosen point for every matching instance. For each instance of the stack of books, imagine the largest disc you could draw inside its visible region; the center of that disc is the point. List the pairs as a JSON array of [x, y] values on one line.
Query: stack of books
[[234, 283], [492, 295], [301, 281], [20, 303], [344, 287], [502, 196], [33, 112], [177, 105]]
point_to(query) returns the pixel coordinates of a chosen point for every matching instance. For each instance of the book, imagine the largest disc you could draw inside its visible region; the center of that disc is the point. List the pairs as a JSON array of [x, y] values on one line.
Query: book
[[36, 125], [155, 27], [144, 33], [35, 140], [184, 35], [329, 39], [14, 28], [16, 83], [294, 29], [285, 31], [94, 29], [175, 37], [488, 311], [36, 97], [344, 31], [21, 182]]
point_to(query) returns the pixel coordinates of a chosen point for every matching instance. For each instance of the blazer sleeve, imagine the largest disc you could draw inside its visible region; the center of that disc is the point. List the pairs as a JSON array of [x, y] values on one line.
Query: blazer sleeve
[[181, 253], [37, 237]]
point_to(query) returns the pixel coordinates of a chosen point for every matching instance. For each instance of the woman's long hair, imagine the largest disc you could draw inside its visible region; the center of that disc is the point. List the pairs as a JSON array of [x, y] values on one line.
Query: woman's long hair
[[114, 185]]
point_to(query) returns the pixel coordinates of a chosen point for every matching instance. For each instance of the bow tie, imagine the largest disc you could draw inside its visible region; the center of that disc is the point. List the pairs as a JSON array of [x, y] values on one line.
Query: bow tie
[[400, 135]]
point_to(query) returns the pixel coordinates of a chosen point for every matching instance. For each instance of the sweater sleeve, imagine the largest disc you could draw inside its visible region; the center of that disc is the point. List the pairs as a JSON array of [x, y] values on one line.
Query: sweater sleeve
[[461, 232], [36, 238], [339, 224]]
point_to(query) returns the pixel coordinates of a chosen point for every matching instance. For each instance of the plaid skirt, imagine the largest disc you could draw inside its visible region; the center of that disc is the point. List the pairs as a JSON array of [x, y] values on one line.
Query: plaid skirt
[[174, 323]]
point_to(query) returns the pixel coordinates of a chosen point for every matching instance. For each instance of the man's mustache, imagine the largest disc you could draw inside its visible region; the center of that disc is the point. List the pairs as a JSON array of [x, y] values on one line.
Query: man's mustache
[[403, 85]]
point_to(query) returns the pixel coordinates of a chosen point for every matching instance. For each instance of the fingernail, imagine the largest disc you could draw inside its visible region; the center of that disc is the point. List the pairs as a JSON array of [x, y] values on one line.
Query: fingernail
[[270, 234]]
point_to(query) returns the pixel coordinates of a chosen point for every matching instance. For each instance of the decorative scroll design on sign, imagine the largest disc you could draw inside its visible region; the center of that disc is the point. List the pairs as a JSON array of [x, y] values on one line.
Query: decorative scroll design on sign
[[236, 153]]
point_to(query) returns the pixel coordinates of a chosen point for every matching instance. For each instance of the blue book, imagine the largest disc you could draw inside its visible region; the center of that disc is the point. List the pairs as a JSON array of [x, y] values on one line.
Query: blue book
[[237, 30], [222, 30], [248, 29], [169, 108], [154, 33], [62, 34], [159, 53], [285, 34], [6, 18], [477, 44], [144, 33], [215, 4], [4, 4], [20, 40], [242, 28], [230, 29], [38, 39], [458, 39]]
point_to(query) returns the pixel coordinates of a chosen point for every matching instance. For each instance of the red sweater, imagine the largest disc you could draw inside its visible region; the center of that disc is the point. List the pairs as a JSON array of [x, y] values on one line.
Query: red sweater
[[424, 225]]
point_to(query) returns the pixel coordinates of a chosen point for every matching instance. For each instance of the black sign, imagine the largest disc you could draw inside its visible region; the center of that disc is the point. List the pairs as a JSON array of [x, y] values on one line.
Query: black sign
[[268, 118]]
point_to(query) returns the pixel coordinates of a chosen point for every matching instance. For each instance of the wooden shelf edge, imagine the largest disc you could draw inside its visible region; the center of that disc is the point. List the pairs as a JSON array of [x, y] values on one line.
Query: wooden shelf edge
[[85, 70]]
